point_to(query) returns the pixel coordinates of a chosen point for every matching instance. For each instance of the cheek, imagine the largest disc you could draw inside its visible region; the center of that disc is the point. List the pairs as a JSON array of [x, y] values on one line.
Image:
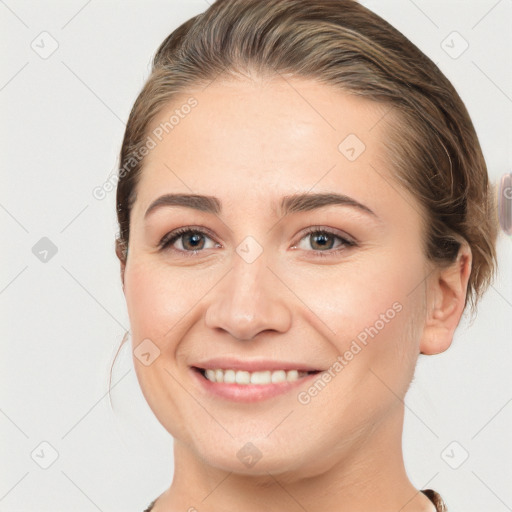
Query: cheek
[[156, 300], [348, 298], [371, 314]]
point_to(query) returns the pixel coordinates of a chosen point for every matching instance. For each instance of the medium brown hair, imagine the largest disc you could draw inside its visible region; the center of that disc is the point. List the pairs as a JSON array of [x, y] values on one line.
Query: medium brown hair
[[432, 145]]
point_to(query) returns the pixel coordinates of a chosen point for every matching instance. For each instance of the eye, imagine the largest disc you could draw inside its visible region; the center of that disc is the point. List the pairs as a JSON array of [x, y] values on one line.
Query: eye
[[322, 241], [192, 240]]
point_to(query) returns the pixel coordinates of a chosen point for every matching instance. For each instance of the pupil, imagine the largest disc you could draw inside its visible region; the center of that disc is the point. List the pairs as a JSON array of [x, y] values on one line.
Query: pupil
[[322, 239], [196, 239]]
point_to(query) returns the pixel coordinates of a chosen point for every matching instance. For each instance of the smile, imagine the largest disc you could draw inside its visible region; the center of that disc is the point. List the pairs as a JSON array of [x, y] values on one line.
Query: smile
[[229, 376], [239, 385]]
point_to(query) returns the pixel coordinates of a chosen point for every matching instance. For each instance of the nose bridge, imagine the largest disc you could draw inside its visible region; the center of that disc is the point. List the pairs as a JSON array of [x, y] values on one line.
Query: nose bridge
[[250, 299]]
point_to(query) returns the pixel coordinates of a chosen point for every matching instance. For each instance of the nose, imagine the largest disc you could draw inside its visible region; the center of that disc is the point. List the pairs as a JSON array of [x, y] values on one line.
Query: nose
[[250, 299]]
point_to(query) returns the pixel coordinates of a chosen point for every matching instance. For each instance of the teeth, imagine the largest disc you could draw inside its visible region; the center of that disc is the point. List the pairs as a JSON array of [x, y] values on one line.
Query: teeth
[[229, 376], [279, 376], [261, 377], [243, 377], [292, 375]]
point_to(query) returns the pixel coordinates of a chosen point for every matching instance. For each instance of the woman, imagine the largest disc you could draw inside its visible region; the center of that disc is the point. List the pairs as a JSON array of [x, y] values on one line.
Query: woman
[[304, 208]]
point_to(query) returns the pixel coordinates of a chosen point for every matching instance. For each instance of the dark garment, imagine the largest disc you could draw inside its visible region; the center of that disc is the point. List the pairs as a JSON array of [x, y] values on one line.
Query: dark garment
[[429, 493], [436, 500]]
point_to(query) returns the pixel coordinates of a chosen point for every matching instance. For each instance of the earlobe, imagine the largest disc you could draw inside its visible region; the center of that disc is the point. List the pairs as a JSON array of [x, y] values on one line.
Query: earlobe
[[446, 298]]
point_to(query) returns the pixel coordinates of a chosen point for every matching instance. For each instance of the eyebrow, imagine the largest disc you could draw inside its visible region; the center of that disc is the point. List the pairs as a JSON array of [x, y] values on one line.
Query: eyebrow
[[302, 202]]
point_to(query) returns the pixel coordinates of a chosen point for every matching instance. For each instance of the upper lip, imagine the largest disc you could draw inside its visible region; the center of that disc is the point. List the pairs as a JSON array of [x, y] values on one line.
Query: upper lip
[[252, 365]]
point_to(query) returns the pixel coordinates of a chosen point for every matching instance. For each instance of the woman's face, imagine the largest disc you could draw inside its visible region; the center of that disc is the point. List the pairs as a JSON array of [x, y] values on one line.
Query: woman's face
[[269, 281]]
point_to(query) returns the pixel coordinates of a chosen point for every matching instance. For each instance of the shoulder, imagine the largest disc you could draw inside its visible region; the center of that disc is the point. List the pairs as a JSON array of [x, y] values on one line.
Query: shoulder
[[436, 499]]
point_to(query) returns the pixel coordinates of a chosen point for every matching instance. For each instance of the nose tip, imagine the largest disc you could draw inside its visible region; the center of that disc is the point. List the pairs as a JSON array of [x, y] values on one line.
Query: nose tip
[[245, 319], [247, 327], [249, 302]]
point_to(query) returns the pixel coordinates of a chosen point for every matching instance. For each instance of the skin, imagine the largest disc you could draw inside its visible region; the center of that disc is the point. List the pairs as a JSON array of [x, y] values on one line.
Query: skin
[[248, 143]]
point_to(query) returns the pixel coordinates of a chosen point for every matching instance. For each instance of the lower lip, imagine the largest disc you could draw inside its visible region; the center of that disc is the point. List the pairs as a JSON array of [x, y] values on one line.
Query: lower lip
[[248, 392]]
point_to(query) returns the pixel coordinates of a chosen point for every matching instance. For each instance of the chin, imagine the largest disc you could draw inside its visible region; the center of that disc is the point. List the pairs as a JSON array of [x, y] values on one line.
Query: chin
[[259, 457]]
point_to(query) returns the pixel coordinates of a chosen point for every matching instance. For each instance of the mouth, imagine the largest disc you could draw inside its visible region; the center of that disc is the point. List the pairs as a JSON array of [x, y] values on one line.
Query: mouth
[[257, 378], [250, 386]]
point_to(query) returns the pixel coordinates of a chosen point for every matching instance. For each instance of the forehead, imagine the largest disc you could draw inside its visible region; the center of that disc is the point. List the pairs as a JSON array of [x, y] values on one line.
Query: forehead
[[255, 138]]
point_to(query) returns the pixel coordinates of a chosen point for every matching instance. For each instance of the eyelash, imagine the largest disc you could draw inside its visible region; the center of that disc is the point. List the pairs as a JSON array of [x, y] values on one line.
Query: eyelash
[[170, 238]]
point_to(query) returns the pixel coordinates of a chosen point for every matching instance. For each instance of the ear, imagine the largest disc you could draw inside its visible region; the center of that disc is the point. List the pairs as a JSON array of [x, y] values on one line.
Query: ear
[[121, 252], [445, 302]]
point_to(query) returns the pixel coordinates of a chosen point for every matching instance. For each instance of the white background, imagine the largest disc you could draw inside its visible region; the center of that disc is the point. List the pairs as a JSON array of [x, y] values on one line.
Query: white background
[[61, 128]]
